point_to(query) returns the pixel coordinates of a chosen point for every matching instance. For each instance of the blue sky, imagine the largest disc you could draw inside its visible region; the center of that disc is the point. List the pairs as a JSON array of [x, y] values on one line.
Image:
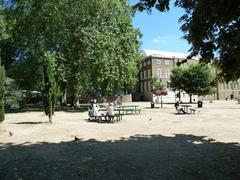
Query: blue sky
[[161, 30]]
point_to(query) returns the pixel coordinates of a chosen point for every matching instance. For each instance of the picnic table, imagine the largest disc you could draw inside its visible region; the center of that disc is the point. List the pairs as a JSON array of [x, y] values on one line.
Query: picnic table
[[185, 107], [104, 117], [128, 109]]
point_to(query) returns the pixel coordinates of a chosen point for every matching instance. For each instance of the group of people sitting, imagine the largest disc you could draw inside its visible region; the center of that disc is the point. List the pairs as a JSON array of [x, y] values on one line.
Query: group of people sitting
[[94, 110]]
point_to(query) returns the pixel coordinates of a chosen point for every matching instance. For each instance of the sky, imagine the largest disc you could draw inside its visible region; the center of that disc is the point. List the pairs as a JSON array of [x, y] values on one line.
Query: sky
[[161, 30]]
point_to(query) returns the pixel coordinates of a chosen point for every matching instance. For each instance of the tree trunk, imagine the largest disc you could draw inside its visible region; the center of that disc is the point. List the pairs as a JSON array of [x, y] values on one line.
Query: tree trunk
[[64, 97], [76, 100], [190, 95], [50, 113], [161, 102], [179, 95]]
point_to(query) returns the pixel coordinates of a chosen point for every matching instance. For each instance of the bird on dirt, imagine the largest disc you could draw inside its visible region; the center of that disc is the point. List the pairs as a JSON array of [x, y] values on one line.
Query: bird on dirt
[[76, 138], [10, 133], [150, 119]]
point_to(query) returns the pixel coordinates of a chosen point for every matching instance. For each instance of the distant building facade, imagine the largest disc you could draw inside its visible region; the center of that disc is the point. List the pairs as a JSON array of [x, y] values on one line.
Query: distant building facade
[[160, 63]]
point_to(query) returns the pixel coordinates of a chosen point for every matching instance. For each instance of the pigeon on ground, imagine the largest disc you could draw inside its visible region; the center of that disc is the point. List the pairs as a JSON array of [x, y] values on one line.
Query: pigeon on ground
[[76, 138], [10, 133], [150, 119]]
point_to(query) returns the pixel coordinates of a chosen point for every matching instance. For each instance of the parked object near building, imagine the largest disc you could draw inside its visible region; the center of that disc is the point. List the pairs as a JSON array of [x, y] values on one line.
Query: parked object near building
[[200, 104]]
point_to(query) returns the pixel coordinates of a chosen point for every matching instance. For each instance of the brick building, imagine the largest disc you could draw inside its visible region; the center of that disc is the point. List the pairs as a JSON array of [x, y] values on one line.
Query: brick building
[[160, 63]]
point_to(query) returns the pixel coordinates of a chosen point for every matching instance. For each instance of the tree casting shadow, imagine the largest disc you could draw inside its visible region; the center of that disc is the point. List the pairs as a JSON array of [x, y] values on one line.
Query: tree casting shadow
[[138, 157]]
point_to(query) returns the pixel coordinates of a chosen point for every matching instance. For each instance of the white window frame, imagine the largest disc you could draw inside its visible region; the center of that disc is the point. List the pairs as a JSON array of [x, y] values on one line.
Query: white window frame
[[145, 74], [166, 62], [148, 62], [167, 71], [149, 73], [159, 75]]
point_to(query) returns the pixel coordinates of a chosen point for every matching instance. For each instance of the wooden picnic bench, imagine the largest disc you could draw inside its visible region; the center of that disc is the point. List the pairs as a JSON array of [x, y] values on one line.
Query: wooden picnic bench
[[192, 110], [130, 109], [105, 117]]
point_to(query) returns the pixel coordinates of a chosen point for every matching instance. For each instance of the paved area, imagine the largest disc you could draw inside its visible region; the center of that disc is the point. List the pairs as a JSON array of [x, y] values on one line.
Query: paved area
[[157, 144]]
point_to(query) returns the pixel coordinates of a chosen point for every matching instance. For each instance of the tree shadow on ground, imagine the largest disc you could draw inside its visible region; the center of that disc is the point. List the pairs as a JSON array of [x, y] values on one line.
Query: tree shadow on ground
[[27, 122], [138, 157], [33, 108]]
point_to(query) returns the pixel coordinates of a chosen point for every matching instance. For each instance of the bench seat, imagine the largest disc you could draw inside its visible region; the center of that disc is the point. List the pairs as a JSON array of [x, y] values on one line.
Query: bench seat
[[192, 110]]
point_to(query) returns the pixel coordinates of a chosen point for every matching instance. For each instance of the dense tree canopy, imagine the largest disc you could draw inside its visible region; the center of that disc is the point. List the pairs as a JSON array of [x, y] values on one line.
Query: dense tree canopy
[[197, 79], [212, 28], [93, 42]]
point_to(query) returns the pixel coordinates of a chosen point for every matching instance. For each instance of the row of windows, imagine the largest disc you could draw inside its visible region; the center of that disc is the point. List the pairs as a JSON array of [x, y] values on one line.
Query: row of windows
[[145, 63], [163, 73], [160, 73], [146, 74], [145, 86], [231, 86], [161, 61], [148, 62]]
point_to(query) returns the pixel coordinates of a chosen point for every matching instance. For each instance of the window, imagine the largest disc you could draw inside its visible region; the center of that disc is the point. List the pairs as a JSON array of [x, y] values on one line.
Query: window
[[145, 86], [149, 86], [148, 62], [163, 74], [158, 73], [142, 87], [167, 73], [149, 73], [167, 62], [145, 74], [158, 61], [144, 63], [142, 75]]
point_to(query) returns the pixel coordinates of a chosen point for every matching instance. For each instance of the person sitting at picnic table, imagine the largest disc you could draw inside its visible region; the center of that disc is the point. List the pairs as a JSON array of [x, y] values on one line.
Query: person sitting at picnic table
[[179, 108], [110, 111], [95, 108]]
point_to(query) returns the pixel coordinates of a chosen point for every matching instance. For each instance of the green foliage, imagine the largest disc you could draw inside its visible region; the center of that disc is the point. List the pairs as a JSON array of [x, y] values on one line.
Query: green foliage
[[176, 79], [3, 25], [2, 92], [212, 27], [26, 78], [94, 44], [14, 98], [48, 86], [197, 79], [156, 84]]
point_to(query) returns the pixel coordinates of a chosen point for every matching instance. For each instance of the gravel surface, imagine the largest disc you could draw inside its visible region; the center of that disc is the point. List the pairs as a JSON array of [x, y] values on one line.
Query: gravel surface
[[157, 144]]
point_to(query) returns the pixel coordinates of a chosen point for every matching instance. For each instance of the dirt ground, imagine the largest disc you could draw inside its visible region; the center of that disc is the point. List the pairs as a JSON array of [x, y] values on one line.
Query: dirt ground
[[157, 144]]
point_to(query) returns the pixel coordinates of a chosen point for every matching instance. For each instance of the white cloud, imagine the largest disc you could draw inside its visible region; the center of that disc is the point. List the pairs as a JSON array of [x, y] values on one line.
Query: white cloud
[[158, 40], [164, 39]]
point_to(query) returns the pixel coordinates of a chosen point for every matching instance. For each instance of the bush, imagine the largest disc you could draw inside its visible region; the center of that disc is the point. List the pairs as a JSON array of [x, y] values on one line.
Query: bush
[[14, 98], [2, 89]]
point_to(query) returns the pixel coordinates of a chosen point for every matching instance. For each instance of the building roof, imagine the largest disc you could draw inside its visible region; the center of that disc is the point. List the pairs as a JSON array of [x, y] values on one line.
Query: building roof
[[164, 54]]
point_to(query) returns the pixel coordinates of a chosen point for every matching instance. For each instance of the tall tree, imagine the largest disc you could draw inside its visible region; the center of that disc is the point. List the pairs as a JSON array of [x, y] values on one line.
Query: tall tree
[[2, 92], [197, 79], [94, 43], [213, 29], [48, 86], [3, 36], [176, 80]]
